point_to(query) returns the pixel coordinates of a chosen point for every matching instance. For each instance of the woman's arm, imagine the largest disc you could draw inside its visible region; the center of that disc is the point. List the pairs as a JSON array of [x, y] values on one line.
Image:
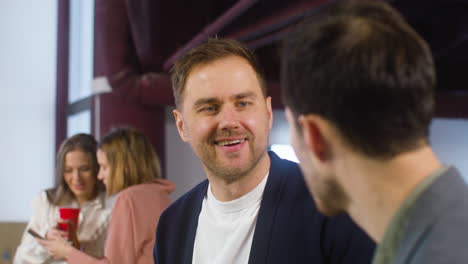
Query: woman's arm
[[60, 248], [122, 244], [29, 251]]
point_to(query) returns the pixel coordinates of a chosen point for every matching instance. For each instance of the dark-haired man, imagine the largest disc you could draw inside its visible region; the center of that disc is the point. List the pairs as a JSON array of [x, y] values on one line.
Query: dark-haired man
[[358, 86], [254, 207]]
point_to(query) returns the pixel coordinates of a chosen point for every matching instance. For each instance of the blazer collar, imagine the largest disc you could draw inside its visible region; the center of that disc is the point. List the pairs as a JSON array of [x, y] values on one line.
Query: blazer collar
[[196, 204], [265, 220], [268, 209]]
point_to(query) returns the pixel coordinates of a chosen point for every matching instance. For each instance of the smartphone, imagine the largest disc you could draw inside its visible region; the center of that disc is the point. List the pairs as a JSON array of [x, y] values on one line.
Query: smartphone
[[34, 234]]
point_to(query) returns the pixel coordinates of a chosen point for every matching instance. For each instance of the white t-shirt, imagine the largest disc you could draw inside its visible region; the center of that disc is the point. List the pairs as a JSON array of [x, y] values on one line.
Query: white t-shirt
[[225, 229]]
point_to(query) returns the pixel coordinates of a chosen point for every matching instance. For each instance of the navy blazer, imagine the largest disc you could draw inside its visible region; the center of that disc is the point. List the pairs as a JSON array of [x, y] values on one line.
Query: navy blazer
[[289, 228]]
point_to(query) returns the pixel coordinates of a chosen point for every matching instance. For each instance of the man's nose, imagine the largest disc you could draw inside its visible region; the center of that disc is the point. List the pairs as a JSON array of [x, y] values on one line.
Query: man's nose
[[229, 118]]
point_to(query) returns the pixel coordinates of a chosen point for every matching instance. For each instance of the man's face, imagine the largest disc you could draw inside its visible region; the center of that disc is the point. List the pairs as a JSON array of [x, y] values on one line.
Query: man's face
[[225, 117], [327, 192]]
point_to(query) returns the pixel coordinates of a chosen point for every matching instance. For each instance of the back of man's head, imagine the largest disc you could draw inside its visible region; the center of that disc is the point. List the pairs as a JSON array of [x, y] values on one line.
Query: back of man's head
[[359, 65]]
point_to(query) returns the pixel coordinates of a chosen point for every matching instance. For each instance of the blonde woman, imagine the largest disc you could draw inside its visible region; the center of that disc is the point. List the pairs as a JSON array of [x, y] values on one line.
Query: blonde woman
[[76, 174], [130, 168]]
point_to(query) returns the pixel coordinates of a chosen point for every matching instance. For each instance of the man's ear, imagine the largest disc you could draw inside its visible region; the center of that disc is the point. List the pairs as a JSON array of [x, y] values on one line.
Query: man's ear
[[270, 111], [180, 125], [315, 139]]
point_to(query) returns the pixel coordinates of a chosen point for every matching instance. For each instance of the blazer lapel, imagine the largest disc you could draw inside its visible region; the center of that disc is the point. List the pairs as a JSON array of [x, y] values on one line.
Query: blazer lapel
[[266, 215], [193, 221]]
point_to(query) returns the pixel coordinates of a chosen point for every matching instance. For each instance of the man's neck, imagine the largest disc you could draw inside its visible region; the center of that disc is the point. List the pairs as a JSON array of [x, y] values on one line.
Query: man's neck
[[230, 190], [377, 189]]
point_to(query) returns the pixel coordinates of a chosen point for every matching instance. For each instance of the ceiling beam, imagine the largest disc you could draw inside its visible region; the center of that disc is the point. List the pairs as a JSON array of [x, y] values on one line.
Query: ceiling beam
[[451, 105], [212, 29]]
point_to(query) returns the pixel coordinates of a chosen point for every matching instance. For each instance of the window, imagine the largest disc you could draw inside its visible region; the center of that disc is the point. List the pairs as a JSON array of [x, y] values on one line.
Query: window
[[284, 151]]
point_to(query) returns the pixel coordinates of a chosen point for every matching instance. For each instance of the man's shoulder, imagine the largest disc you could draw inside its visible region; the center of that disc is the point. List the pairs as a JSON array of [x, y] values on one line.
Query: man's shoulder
[[176, 222], [437, 223], [437, 201], [444, 207], [440, 242], [284, 166], [288, 174], [187, 202]]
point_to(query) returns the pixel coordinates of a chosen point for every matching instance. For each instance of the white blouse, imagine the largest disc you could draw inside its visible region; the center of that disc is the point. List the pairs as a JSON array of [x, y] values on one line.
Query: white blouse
[[92, 228]]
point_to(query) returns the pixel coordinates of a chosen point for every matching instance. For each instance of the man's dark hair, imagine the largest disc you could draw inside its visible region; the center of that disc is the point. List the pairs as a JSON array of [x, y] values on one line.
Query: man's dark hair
[[211, 50], [359, 65]]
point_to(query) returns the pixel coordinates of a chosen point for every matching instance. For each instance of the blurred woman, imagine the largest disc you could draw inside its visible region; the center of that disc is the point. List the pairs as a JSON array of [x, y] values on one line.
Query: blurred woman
[[128, 166], [76, 174]]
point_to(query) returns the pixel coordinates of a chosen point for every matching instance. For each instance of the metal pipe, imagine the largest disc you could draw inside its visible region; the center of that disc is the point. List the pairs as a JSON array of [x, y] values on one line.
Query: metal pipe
[[277, 21], [240, 7]]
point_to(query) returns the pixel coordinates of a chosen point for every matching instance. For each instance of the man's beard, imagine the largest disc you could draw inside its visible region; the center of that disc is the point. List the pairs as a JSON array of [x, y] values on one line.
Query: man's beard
[[331, 199], [226, 172]]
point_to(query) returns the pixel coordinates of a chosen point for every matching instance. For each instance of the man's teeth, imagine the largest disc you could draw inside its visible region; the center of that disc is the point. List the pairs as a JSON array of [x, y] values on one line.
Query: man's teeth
[[230, 142]]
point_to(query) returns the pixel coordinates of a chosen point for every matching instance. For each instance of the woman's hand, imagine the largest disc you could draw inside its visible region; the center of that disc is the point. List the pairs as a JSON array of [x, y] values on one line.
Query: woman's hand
[[57, 247], [54, 233], [56, 241], [72, 236]]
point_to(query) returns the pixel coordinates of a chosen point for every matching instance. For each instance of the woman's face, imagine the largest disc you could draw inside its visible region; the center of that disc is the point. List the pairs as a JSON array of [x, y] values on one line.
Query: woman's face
[[78, 175], [104, 169]]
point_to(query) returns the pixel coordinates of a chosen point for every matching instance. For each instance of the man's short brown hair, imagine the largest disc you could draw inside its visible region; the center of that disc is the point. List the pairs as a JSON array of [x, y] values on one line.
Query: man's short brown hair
[[359, 65], [211, 50]]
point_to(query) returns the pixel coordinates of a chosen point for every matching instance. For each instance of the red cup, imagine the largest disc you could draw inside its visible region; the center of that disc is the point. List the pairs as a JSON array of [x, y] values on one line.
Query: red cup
[[68, 214]]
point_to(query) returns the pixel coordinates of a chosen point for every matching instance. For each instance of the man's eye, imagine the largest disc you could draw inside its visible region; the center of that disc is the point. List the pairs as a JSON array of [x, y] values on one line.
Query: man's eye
[[243, 103], [208, 109]]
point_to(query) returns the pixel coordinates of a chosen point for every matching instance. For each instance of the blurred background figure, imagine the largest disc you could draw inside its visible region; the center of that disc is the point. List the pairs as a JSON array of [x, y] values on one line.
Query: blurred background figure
[[130, 167], [77, 186]]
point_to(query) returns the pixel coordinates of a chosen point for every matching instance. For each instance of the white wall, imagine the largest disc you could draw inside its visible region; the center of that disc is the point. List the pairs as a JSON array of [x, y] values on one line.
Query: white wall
[[27, 105], [280, 131], [449, 138], [183, 167]]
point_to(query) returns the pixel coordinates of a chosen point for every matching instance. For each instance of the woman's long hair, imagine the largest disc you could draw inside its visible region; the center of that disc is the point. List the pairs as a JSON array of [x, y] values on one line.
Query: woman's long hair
[[131, 157]]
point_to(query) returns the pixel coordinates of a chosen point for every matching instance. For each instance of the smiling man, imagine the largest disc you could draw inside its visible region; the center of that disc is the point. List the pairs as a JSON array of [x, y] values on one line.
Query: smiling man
[[254, 207]]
